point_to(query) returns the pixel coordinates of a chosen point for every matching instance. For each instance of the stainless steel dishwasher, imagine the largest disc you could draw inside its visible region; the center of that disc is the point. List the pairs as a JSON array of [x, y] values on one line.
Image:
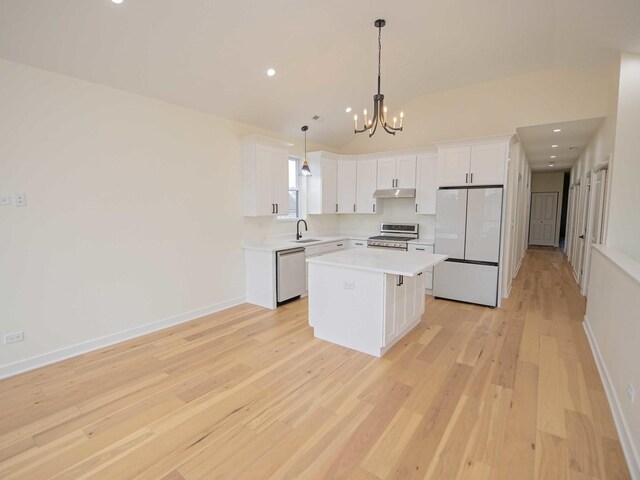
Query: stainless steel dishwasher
[[290, 273]]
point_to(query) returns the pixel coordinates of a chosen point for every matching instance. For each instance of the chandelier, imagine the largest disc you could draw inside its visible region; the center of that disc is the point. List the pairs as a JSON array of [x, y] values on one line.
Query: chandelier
[[379, 109]]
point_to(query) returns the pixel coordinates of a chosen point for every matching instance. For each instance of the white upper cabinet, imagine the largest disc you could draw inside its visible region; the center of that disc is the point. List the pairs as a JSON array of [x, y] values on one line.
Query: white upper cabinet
[[366, 175], [453, 166], [406, 171], [266, 181], [488, 164], [323, 183], [427, 185], [472, 164], [347, 186], [397, 172], [386, 173]]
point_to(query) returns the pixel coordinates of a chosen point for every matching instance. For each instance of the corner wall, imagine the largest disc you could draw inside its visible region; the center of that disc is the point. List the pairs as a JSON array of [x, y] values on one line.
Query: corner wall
[[133, 219]]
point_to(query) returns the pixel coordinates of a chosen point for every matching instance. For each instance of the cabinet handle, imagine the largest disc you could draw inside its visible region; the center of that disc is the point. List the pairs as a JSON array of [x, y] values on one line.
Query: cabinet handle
[[400, 281], [471, 177], [357, 243], [354, 208], [416, 208], [339, 244], [273, 208], [374, 208], [277, 208], [420, 274], [421, 249], [466, 178], [336, 208]]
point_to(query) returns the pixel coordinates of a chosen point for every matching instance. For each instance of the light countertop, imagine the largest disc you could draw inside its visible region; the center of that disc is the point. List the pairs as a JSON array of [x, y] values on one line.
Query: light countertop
[[378, 260], [274, 244], [282, 243]]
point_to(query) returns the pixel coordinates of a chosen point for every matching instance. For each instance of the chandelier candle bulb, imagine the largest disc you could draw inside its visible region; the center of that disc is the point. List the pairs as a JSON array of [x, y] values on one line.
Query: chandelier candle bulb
[[355, 122], [401, 117], [395, 119]]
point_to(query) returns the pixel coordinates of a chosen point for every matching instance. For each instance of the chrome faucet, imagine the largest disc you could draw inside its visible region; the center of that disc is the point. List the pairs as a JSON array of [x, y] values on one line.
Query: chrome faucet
[[298, 234]]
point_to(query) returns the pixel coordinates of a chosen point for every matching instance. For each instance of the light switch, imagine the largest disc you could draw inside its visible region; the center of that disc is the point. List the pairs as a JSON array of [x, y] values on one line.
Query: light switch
[[21, 199], [5, 200]]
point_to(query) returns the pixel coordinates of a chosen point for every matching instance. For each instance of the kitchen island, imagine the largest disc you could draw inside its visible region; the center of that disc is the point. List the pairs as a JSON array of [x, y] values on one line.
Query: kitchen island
[[367, 299]]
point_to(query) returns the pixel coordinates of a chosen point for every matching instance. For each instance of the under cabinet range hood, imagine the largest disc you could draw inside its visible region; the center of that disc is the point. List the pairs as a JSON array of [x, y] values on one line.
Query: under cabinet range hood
[[395, 193]]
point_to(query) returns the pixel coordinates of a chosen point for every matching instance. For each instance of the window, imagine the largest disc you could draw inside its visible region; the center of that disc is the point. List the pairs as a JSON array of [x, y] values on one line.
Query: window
[[294, 191]]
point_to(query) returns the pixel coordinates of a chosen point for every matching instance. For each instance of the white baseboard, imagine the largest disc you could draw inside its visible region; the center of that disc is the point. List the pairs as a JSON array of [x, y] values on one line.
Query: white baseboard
[[628, 446], [90, 345]]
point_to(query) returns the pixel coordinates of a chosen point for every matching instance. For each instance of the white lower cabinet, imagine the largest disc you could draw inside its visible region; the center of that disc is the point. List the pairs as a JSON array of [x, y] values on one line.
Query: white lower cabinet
[[404, 305], [428, 275], [323, 249]]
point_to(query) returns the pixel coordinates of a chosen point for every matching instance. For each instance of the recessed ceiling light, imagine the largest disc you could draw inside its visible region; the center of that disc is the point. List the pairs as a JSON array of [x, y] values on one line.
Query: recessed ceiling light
[[551, 165], [554, 146], [556, 130], [552, 156], [117, 1], [271, 72], [348, 109]]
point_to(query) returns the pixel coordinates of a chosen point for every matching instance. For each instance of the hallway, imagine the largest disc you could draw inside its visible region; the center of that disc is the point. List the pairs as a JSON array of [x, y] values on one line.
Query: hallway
[[471, 393]]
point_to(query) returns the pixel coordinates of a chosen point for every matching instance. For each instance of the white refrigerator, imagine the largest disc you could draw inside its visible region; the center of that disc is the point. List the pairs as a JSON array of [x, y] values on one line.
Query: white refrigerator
[[468, 227]]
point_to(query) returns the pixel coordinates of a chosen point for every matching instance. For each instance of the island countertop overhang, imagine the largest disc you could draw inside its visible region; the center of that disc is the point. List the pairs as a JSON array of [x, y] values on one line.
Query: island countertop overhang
[[390, 262]]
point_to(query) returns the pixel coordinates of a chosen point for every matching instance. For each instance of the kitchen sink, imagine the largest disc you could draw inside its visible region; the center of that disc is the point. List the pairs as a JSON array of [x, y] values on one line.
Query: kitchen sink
[[306, 240]]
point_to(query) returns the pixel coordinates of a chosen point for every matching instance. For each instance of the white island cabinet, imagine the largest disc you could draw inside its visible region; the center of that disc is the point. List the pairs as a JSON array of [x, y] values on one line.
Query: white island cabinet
[[367, 299]]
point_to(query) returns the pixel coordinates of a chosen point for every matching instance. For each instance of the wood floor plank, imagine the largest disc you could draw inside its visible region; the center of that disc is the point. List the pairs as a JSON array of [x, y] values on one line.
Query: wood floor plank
[[470, 393]]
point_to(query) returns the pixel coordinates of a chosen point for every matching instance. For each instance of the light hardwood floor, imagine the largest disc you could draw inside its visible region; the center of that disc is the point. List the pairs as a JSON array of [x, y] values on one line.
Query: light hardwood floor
[[471, 393]]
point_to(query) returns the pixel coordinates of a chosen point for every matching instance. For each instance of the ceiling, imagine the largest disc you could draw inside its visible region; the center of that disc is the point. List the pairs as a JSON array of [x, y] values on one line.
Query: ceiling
[[571, 140], [212, 55]]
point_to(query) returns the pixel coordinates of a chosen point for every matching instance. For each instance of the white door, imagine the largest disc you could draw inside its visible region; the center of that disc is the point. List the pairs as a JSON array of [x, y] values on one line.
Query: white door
[[484, 221], [329, 186], [406, 171], [453, 166], [280, 181], [367, 178], [427, 187], [544, 211], [576, 231], [386, 173], [451, 222], [487, 164], [346, 186]]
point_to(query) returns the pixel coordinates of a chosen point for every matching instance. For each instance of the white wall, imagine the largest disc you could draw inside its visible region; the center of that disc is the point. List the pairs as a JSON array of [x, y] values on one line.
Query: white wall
[[134, 211], [493, 108], [624, 220], [614, 279], [550, 182]]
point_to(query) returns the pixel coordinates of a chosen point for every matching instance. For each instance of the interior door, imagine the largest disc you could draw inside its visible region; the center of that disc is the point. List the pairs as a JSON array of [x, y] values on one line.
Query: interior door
[[406, 171], [386, 172], [346, 186], [576, 231], [544, 211], [484, 222], [451, 219], [584, 231], [367, 178]]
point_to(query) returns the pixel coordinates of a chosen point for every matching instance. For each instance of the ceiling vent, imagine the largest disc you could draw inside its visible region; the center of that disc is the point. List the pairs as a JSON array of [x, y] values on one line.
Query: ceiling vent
[[317, 118]]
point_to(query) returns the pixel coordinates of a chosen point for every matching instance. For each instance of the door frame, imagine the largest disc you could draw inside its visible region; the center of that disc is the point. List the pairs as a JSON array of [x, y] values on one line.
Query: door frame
[[555, 220]]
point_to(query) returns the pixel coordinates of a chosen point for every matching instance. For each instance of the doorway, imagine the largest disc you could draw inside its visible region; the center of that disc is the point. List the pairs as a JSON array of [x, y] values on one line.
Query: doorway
[[544, 216]]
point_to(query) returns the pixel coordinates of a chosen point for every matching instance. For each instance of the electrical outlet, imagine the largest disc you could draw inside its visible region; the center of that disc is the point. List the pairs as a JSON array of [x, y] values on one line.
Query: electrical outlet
[[14, 338], [21, 199], [349, 285], [631, 391]]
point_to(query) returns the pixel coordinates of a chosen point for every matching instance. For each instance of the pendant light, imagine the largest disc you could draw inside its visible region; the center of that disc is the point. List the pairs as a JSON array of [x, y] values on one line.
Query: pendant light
[[379, 110], [306, 171]]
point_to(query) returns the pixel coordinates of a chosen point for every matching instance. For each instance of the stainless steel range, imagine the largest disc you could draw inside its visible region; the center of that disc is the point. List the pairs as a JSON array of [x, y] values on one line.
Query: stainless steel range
[[394, 235]]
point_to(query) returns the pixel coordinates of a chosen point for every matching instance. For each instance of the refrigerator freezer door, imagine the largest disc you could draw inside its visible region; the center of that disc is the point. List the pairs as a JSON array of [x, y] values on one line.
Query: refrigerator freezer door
[[466, 282], [451, 212], [484, 218]]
